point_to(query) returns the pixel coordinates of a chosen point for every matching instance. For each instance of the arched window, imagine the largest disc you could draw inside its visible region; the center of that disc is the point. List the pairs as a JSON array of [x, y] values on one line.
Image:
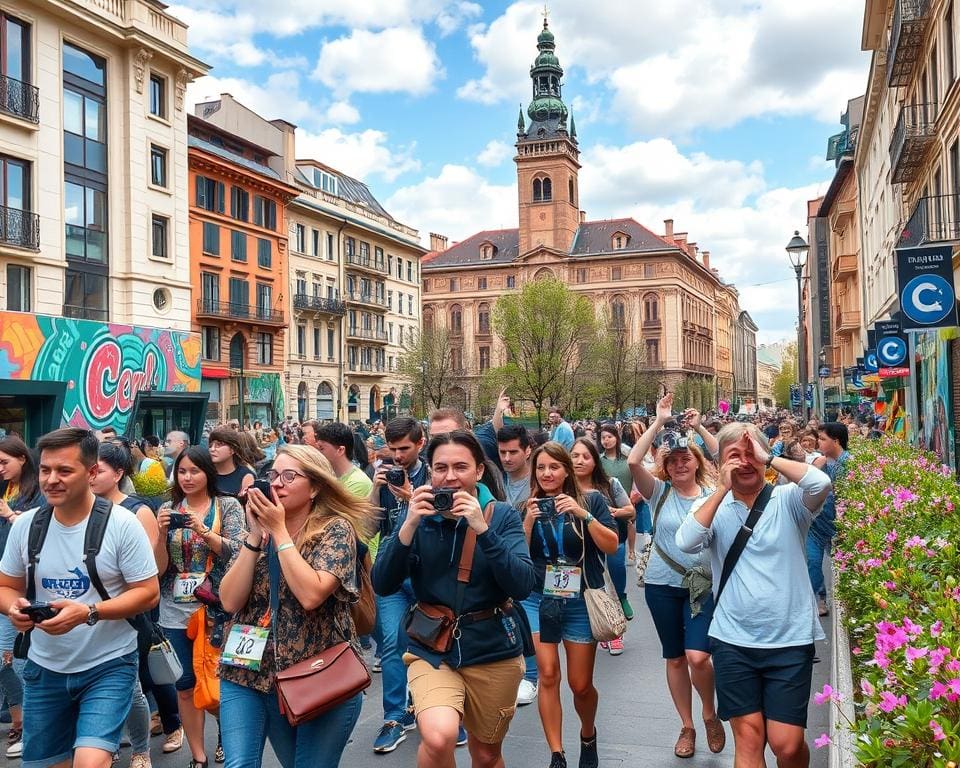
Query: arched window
[[544, 274], [428, 319], [483, 318], [651, 308], [570, 193], [618, 314], [547, 190], [302, 401], [456, 319], [238, 351], [537, 190], [324, 401]]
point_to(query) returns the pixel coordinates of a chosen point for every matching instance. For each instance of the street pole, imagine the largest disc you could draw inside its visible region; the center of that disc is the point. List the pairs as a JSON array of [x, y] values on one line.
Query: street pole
[[801, 357]]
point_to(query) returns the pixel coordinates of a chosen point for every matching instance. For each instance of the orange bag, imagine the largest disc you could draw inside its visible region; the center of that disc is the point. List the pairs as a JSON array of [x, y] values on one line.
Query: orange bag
[[206, 659]]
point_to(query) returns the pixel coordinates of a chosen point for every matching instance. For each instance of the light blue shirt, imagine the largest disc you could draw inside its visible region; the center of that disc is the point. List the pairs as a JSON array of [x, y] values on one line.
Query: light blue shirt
[[767, 602], [563, 434]]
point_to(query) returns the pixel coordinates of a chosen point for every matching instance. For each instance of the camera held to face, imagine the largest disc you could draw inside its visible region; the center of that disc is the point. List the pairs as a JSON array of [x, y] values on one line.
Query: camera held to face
[[443, 500], [396, 476]]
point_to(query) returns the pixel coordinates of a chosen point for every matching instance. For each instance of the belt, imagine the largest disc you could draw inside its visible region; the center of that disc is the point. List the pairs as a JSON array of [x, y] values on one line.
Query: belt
[[486, 613]]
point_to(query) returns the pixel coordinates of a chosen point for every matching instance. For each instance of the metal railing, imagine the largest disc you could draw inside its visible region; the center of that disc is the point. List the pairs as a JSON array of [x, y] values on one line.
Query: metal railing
[[306, 302], [356, 367], [211, 308], [367, 333], [366, 298], [77, 312], [20, 228], [912, 136], [19, 99], [356, 260], [934, 219], [907, 32]]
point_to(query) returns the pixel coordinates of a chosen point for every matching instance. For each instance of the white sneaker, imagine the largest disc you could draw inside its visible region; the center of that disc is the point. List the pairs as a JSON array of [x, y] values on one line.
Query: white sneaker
[[526, 693], [16, 749]]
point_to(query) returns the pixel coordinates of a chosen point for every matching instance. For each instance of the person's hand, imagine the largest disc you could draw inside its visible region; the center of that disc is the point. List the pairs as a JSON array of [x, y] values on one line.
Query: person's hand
[[194, 521], [421, 506], [380, 476], [5, 512], [665, 408], [752, 447], [163, 519], [635, 496], [403, 492], [503, 401], [21, 622], [725, 480], [693, 418], [532, 513], [70, 614], [568, 506], [466, 506], [254, 528], [268, 512]]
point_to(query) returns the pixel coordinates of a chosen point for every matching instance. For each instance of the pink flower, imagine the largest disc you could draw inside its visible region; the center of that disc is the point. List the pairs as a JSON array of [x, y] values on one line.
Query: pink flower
[[889, 702], [823, 740], [867, 687], [937, 691], [913, 629], [938, 734], [892, 536], [936, 628], [824, 696], [890, 586], [913, 654], [953, 666]]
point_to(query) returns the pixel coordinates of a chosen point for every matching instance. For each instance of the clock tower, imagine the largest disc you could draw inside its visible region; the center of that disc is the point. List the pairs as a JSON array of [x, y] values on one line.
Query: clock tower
[[547, 158]]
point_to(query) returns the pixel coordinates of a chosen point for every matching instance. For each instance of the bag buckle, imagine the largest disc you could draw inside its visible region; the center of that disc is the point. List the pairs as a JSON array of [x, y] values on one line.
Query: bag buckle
[[318, 663]]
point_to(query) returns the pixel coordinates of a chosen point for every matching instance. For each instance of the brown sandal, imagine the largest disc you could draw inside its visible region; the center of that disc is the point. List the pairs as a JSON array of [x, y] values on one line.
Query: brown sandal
[[716, 736], [686, 744]]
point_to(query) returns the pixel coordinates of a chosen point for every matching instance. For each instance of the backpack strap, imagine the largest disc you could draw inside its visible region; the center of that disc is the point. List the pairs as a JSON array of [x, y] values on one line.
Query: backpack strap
[[35, 538], [92, 541], [659, 508], [465, 567], [736, 549]]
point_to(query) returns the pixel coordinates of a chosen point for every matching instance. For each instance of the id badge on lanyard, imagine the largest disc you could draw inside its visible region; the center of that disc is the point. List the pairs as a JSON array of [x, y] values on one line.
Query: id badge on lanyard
[[184, 585], [562, 579], [244, 646]]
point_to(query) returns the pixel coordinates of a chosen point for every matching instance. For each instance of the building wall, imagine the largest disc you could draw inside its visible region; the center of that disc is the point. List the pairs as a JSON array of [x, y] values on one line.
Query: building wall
[[137, 41], [845, 293]]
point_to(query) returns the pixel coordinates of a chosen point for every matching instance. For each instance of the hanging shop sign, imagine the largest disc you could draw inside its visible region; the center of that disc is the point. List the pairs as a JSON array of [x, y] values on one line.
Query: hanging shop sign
[[925, 286]]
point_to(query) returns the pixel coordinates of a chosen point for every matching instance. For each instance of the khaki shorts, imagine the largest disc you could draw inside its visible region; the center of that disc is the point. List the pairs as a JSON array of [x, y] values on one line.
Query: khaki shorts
[[485, 695]]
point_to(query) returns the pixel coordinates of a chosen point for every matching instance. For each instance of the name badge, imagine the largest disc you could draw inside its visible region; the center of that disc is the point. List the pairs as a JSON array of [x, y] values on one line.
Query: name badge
[[184, 585], [245, 646], [562, 581]]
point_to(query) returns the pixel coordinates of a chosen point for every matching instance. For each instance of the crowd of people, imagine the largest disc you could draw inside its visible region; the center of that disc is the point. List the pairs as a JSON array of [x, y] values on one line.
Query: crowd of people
[[491, 547]]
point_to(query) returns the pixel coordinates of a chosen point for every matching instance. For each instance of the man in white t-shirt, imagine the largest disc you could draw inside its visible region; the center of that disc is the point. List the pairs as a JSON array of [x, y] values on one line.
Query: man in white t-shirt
[[82, 663]]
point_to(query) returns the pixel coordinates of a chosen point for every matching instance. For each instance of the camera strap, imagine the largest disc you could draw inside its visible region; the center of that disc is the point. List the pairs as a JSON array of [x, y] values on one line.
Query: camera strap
[[736, 549], [465, 566]]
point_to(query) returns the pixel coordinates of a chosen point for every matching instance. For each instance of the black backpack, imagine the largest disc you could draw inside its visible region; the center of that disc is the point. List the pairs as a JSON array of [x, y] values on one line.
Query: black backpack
[[148, 632]]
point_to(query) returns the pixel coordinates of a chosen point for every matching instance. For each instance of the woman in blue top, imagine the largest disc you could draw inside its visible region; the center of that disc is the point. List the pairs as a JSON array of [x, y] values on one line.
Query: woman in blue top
[[569, 532]]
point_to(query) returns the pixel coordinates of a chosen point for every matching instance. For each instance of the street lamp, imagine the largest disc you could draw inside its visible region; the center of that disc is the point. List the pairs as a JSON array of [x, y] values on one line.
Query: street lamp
[[797, 250]]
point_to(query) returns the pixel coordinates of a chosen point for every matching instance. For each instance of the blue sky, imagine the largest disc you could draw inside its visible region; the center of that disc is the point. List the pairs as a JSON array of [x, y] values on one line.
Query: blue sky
[[715, 113]]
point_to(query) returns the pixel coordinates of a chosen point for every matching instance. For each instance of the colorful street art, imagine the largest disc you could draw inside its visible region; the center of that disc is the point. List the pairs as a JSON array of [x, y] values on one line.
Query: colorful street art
[[103, 364]]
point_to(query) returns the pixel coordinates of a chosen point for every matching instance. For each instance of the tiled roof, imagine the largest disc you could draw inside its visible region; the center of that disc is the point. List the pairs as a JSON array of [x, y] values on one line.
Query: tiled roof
[[506, 242], [352, 190], [232, 157]]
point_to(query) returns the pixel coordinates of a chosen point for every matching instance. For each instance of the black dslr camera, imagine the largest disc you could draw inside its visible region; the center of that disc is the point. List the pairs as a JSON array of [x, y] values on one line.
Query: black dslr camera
[[443, 499], [548, 508], [396, 476]]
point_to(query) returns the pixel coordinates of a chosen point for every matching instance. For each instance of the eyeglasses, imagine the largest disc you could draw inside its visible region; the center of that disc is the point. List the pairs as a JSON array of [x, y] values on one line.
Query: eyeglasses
[[286, 477]]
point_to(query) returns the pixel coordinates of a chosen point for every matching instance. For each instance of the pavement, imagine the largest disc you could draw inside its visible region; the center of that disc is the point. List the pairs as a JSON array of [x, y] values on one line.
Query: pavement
[[637, 724]]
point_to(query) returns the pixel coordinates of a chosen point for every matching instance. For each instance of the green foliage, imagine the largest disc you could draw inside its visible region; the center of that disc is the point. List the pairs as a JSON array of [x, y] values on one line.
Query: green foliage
[[786, 377], [426, 363]]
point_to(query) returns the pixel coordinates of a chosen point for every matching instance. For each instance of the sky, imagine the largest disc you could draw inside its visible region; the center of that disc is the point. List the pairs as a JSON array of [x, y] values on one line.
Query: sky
[[715, 113]]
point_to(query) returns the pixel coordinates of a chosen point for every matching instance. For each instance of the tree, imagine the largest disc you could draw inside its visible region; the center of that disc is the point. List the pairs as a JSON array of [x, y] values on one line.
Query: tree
[[542, 328], [426, 361], [615, 364], [786, 377]]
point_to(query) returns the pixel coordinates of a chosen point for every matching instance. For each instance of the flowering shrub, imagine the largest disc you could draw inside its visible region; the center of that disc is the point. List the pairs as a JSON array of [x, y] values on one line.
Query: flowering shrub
[[898, 569], [151, 482]]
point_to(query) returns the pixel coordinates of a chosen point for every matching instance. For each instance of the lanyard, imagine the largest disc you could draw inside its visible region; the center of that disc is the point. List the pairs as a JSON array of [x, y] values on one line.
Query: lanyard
[[557, 530]]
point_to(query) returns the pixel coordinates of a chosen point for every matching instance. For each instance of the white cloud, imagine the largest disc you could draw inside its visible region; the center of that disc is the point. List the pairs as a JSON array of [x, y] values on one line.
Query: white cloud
[[450, 19], [494, 153], [458, 203], [689, 63], [279, 96], [343, 113], [394, 60], [364, 154]]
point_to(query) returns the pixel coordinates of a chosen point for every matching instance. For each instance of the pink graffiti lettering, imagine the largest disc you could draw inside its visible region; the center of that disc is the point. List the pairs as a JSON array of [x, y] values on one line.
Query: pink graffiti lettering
[[110, 389]]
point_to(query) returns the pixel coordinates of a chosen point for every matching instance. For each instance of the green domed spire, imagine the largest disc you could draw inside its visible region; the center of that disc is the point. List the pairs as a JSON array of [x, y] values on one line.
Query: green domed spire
[[546, 74]]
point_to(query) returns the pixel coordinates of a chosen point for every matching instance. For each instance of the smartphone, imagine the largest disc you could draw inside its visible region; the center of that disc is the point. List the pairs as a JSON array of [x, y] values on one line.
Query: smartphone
[[264, 487], [39, 611], [177, 520]]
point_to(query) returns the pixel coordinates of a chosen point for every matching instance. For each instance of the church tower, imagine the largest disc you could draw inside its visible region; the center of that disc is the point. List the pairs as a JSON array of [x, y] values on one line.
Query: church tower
[[547, 158]]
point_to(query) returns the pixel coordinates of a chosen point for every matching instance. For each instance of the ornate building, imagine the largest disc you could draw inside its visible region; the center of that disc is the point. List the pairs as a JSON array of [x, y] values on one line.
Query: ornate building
[[661, 288]]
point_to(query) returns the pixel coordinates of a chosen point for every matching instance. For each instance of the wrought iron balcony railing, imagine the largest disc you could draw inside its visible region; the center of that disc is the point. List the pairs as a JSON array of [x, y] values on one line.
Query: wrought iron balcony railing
[[237, 311], [912, 137], [934, 219], [306, 303], [19, 99], [19, 228], [910, 21]]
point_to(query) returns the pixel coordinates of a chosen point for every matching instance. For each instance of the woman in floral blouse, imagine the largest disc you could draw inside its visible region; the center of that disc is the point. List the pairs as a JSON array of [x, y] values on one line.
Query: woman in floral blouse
[[310, 527]]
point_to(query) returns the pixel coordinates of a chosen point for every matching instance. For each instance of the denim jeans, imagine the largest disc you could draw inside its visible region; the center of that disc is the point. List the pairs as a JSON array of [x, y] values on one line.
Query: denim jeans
[[391, 614], [138, 722], [816, 549], [62, 712], [10, 684], [249, 717], [617, 566], [644, 517], [531, 606]]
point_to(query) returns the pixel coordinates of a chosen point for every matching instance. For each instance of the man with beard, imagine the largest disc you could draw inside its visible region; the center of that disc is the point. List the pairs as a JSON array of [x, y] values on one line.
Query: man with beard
[[765, 616]]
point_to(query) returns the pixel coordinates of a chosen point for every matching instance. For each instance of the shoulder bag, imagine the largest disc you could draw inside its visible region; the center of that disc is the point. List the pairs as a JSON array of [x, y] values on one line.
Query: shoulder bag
[[607, 620]]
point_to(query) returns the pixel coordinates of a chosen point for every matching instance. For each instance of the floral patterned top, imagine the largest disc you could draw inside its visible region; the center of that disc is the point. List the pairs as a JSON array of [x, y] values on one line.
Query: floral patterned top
[[301, 633]]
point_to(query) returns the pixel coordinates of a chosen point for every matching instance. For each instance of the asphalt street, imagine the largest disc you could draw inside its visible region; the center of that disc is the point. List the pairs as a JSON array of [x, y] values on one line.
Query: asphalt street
[[637, 723]]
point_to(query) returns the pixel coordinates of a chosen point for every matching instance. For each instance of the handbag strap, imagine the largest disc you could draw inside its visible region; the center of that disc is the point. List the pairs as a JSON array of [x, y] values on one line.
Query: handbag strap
[[736, 549], [659, 508], [465, 566]]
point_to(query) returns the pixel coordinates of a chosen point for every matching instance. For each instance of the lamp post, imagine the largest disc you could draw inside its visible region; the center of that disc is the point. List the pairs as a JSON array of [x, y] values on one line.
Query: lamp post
[[797, 250]]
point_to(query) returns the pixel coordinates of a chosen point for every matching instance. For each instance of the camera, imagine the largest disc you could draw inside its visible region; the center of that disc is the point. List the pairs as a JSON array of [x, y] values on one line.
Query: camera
[[674, 441], [177, 520], [547, 507], [39, 611], [396, 476], [443, 499]]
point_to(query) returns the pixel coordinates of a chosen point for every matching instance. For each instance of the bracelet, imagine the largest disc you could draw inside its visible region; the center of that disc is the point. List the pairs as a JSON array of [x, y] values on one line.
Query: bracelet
[[287, 545], [588, 519], [250, 546], [769, 462], [204, 533]]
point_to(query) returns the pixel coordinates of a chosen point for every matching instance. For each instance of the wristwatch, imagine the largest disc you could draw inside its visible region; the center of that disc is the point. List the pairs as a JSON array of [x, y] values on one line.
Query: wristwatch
[[93, 615], [588, 519], [769, 462]]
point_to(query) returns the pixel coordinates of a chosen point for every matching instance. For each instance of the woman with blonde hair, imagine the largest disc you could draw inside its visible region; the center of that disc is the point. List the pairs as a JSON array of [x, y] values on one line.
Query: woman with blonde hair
[[302, 542], [677, 586], [568, 532]]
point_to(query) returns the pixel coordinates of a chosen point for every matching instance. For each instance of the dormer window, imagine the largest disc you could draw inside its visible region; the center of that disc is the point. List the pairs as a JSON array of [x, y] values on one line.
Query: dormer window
[[619, 241], [487, 251]]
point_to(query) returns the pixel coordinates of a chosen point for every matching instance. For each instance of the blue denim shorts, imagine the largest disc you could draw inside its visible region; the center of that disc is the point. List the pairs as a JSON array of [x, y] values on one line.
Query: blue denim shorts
[[62, 712], [678, 631], [183, 647], [558, 618]]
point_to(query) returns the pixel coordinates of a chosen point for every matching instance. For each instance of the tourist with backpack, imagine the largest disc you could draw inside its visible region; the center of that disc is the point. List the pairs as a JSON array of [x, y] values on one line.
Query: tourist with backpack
[[87, 565]]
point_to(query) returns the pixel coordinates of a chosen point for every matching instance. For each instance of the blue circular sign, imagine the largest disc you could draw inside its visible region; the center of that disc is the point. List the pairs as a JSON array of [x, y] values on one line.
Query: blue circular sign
[[927, 299], [870, 363], [891, 351]]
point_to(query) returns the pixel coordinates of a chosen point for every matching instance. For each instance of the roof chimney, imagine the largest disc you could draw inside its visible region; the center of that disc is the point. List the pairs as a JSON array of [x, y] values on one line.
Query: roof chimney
[[706, 259], [583, 217], [680, 239], [438, 242], [692, 250], [668, 228]]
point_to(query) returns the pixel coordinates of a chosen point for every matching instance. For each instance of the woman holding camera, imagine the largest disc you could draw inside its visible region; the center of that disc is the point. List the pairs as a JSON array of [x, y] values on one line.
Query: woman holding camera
[[467, 560], [302, 543], [568, 532], [677, 585], [200, 530]]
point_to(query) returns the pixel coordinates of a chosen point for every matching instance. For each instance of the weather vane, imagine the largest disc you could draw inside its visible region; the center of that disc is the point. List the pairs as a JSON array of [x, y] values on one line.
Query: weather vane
[[546, 13]]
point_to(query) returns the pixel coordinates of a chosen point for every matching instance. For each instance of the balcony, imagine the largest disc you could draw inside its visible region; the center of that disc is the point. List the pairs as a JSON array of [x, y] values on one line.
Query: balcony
[[911, 19], [367, 334], [367, 299], [366, 369], [844, 266], [318, 305], [934, 220], [365, 262], [20, 229], [19, 99], [848, 321], [653, 323], [912, 137], [225, 310]]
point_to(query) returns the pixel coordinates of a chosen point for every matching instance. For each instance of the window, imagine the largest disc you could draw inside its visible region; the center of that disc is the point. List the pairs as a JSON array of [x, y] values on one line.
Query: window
[[209, 194], [15, 188], [238, 246], [316, 343], [651, 308], [329, 247], [454, 284], [85, 209], [264, 253], [301, 341], [483, 318], [158, 166], [316, 242], [301, 232], [210, 342], [389, 264], [211, 238], [301, 289], [934, 76], [951, 45], [83, 65], [15, 66], [618, 242], [482, 283], [581, 275], [616, 273], [511, 281], [158, 96], [85, 295], [570, 193], [158, 231], [484, 359], [399, 268], [330, 345], [364, 251], [264, 349], [239, 204], [84, 110], [264, 301], [653, 351], [542, 190], [410, 304], [239, 297], [618, 315], [456, 319], [325, 181], [648, 270], [264, 212], [210, 291], [19, 289], [350, 246], [410, 271], [390, 332], [378, 257], [390, 300], [456, 359]]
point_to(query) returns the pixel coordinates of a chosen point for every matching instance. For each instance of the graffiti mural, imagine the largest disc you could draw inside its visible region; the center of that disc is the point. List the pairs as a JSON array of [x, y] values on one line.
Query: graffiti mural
[[103, 364]]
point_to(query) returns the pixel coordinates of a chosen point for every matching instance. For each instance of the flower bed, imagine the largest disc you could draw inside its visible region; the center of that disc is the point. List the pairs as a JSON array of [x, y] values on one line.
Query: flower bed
[[898, 569]]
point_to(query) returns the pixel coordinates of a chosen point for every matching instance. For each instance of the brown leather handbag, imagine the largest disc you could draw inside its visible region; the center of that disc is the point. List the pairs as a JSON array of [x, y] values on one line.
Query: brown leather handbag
[[317, 685], [364, 611]]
